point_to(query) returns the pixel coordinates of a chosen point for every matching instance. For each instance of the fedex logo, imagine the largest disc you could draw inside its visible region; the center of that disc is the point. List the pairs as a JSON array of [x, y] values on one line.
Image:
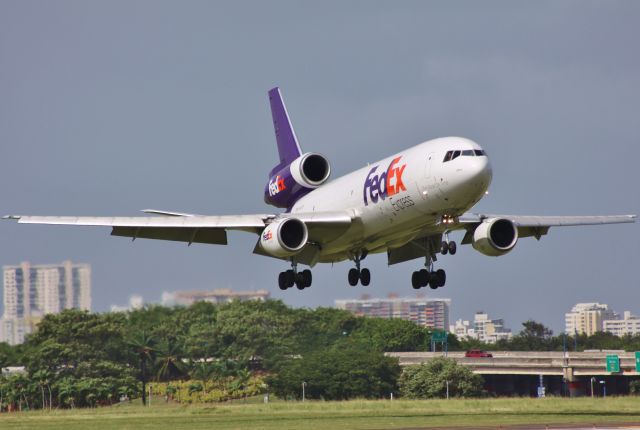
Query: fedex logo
[[388, 183], [267, 236], [276, 185]]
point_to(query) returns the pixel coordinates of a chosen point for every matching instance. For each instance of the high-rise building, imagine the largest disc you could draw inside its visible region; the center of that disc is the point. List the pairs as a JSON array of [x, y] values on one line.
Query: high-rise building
[[463, 330], [488, 330], [425, 312], [587, 318], [32, 291], [628, 325], [221, 295]]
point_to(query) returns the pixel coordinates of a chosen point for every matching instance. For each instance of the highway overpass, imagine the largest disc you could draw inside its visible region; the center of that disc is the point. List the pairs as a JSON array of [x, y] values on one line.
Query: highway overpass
[[565, 372]]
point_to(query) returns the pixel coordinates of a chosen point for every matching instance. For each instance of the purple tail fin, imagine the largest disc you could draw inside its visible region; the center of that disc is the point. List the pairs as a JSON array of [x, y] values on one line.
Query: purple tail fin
[[288, 147]]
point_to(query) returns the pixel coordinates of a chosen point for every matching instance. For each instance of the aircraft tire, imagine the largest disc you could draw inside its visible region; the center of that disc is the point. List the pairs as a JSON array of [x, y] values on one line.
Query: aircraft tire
[[452, 248], [423, 277], [307, 278], [365, 277], [415, 280], [444, 248], [353, 277], [441, 275], [433, 280], [291, 278], [282, 281]]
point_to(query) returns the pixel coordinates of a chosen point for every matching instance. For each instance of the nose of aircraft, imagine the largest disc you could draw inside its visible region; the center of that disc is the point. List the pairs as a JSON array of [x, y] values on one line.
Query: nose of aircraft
[[482, 170], [475, 176]]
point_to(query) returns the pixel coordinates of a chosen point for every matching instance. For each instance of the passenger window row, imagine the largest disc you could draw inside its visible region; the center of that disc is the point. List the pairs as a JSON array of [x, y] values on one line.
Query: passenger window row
[[466, 153]]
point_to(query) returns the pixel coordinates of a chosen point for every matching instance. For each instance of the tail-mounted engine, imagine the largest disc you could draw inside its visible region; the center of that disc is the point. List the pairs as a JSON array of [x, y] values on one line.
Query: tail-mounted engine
[[291, 182], [284, 238], [495, 237]]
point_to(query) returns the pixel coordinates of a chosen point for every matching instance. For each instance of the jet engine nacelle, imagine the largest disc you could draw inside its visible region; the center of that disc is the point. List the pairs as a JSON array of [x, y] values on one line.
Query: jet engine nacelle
[[285, 237], [287, 184], [495, 237], [310, 170]]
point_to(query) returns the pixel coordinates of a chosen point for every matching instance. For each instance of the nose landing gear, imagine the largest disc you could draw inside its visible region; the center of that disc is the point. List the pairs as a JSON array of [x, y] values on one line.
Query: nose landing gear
[[448, 246]]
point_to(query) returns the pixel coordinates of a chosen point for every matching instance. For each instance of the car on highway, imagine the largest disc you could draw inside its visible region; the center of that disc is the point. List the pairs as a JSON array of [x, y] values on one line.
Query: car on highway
[[477, 353]]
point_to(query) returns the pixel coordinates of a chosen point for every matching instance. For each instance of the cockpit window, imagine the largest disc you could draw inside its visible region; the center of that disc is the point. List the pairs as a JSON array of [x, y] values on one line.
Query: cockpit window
[[451, 155]]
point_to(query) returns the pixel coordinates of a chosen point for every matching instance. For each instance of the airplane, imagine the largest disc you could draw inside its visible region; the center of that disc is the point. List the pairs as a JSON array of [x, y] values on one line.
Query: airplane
[[405, 205]]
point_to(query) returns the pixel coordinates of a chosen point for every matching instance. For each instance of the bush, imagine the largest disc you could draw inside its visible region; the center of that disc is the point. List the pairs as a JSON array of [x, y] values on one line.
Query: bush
[[429, 380]]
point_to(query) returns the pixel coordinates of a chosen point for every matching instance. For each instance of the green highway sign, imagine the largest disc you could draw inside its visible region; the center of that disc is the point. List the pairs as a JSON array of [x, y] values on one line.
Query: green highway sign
[[613, 363], [638, 362], [439, 336]]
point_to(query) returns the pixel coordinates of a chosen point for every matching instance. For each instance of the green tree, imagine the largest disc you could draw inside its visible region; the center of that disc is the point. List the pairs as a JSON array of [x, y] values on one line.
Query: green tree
[[9, 355], [346, 370], [43, 378], [430, 380], [392, 335], [169, 362], [534, 336], [143, 346]]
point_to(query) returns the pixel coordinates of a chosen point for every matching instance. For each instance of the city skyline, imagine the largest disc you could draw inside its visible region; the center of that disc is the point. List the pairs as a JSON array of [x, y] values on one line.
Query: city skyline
[[618, 321], [32, 291], [170, 112]]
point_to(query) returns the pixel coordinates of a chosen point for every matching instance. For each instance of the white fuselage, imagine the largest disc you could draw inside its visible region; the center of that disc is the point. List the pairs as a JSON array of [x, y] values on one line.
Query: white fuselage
[[402, 196]]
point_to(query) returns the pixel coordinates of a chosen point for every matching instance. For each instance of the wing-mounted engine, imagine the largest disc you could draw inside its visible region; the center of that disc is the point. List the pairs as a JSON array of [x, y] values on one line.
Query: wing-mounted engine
[[495, 237], [302, 175], [284, 238]]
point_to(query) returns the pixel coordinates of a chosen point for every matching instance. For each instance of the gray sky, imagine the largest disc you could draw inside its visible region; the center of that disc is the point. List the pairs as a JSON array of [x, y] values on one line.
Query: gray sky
[[111, 107]]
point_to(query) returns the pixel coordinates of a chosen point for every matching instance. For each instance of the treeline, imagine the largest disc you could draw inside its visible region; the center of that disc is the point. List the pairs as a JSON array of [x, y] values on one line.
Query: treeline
[[77, 359], [209, 352]]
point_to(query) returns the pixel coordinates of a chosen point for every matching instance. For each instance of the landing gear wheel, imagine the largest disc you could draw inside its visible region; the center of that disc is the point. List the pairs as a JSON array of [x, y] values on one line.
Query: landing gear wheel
[[434, 280], [441, 276], [423, 277], [290, 276], [307, 278], [282, 281], [299, 281], [452, 248], [365, 277], [354, 276], [444, 248], [415, 280]]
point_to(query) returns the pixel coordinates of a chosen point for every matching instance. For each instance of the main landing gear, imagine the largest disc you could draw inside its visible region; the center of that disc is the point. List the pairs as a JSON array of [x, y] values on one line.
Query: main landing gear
[[356, 274], [428, 276], [291, 277], [434, 279]]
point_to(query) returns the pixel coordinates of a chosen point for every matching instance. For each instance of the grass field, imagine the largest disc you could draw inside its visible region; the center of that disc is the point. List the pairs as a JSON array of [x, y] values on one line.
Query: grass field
[[355, 414]]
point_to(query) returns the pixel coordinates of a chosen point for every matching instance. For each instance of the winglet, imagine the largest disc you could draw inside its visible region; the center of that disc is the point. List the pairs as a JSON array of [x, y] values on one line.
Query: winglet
[[288, 147]]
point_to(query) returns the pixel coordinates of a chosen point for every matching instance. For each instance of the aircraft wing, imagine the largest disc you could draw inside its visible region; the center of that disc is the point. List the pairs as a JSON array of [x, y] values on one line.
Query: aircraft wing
[[537, 226], [192, 228]]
